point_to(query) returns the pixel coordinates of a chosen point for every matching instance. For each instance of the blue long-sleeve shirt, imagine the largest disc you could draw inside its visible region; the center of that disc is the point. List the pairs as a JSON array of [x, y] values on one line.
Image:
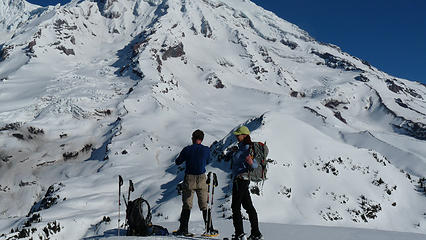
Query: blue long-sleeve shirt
[[239, 164], [196, 157]]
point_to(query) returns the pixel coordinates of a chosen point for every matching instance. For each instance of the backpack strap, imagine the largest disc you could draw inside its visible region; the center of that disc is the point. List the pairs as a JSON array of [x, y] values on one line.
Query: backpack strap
[[148, 215], [253, 154], [251, 150]]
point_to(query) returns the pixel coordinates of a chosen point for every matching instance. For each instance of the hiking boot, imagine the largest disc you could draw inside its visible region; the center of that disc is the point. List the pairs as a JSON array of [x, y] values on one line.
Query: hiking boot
[[242, 236], [255, 237], [183, 232], [183, 228], [211, 233]]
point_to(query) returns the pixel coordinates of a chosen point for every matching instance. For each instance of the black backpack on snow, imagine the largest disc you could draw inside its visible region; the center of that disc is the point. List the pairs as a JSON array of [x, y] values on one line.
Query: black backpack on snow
[[139, 222]]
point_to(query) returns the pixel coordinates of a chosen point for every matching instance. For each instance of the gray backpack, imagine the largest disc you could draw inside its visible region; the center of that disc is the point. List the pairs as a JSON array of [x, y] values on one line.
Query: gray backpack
[[259, 151]]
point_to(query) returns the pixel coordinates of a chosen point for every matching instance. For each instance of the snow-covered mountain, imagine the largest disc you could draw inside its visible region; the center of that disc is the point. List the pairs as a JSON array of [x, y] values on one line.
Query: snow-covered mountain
[[96, 89], [13, 15]]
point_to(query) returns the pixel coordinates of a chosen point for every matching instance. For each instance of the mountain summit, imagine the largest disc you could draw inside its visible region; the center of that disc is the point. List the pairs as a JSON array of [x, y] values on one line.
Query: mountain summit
[[96, 89]]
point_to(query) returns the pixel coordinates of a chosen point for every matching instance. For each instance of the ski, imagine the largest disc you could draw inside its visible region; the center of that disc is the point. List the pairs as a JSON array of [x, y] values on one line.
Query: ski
[[188, 235], [210, 235], [201, 237]]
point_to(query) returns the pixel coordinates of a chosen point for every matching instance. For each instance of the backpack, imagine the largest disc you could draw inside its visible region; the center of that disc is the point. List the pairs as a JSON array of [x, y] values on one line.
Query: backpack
[[259, 151], [140, 223]]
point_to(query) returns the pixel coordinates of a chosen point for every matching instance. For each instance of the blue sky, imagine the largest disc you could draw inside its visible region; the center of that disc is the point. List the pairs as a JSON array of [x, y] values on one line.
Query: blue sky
[[389, 34]]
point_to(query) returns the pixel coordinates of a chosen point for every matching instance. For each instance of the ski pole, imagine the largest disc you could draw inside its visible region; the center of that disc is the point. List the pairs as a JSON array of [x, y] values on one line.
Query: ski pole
[[215, 184], [120, 183], [208, 201], [131, 189]]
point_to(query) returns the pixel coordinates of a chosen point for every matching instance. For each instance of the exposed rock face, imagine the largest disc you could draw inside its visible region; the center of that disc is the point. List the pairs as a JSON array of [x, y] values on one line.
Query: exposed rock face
[[4, 52], [338, 115], [214, 80], [14, 14], [50, 198], [297, 94], [108, 10], [66, 50], [336, 62], [362, 78], [174, 52], [415, 129], [206, 30], [290, 44], [333, 103], [393, 86], [400, 103]]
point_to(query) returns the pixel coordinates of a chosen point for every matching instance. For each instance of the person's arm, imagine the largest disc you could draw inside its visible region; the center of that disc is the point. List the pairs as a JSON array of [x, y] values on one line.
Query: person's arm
[[208, 161], [181, 158], [233, 152], [251, 162]]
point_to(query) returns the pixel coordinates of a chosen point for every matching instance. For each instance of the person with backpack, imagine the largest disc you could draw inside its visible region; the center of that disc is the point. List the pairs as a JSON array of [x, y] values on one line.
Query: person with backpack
[[196, 156], [242, 163]]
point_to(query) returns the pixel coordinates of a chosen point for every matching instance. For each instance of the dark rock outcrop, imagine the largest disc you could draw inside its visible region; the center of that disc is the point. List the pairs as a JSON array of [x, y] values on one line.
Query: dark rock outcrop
[[35, 131], [413, 93], [66, 50], [69, 155], [206, 30], [50, 198], [336, 62], [393, 86], [30, 47], [403, 125], [5, 51], [362, 78], [297, 94], [11, 126], [290, 44], [174, 52], [338, 115], [400, 103], [368, 210], [18, 136], [333, 103], [215, 81]]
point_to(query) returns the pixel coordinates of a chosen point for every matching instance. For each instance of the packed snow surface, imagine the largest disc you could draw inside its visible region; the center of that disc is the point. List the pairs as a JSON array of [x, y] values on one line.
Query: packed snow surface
[[284, 231]]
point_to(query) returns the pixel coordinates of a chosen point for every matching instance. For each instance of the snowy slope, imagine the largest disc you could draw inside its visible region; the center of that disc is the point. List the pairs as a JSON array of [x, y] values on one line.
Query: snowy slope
[[13, 15], [283, 231], [97, 89]]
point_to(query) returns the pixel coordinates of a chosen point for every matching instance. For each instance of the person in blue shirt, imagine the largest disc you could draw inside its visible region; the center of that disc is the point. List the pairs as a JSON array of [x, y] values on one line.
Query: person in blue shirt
[[242, 163], [195, 156]]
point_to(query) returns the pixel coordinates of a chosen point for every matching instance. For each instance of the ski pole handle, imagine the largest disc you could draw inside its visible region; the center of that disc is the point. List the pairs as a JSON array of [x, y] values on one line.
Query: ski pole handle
[[215, 182], [120, 183], [131, 189], [208, 177]]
